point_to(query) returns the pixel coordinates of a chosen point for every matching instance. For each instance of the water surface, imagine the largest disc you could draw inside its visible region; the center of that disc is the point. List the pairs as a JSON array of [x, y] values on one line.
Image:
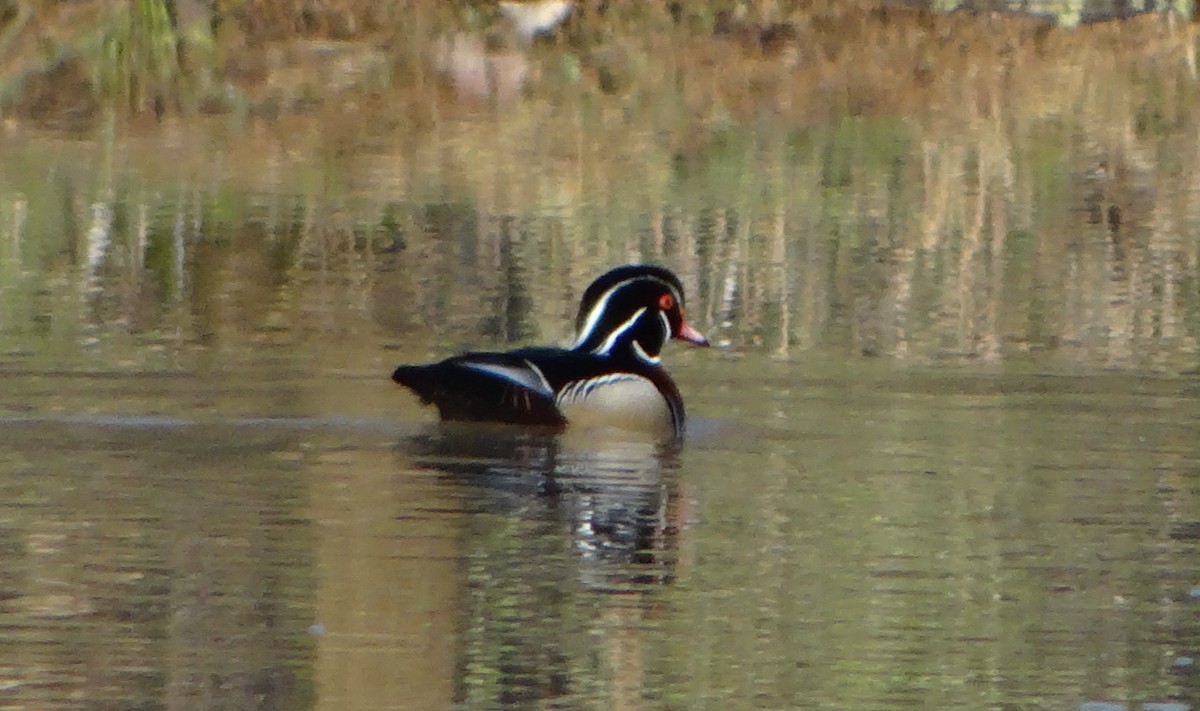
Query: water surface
[[859, 537], [943, 457]]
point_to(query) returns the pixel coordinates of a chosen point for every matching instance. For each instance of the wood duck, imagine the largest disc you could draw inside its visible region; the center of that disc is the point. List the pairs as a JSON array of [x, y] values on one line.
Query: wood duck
[[610, 376]]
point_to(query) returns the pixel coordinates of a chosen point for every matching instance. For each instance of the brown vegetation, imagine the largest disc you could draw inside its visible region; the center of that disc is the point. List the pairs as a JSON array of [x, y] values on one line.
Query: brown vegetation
[[811, 61], [894, 181]]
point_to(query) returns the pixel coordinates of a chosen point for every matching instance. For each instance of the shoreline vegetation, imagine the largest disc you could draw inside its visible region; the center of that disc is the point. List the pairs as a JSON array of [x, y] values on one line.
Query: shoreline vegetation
[[67, 64], [871, 178]]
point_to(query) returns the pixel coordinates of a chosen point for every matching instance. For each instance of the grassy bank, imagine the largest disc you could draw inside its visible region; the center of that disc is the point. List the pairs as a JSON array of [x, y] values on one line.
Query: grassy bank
[[73, 63]]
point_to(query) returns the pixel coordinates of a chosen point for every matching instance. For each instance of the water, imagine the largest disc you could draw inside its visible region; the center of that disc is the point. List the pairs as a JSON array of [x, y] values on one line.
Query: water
[[944, 457], [862, 538]]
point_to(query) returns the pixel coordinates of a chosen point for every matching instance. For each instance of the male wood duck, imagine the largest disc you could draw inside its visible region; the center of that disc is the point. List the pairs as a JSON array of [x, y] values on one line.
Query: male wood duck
[[610, 376]]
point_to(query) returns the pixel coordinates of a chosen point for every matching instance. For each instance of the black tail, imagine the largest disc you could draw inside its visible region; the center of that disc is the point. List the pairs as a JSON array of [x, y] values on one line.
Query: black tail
[[419, 379], [472, 395], [405, 374]]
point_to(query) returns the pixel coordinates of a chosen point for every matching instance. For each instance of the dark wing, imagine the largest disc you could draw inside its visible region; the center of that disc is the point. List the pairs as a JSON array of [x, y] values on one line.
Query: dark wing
[[486, 387]]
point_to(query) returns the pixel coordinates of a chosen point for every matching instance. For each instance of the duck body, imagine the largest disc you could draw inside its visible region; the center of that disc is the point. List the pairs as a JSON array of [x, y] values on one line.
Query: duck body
[[545, 386], [610, 376]]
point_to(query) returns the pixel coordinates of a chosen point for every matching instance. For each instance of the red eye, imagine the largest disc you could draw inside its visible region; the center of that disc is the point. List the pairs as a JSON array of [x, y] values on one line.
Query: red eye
[[666, 302]]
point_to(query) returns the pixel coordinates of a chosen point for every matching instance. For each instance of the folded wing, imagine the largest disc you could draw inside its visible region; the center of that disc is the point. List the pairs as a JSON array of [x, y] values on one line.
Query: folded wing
[[479, 387]]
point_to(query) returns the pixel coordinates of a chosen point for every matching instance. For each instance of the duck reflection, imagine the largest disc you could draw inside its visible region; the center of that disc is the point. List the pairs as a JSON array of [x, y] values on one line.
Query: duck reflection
[[570, 539], [613, 494]]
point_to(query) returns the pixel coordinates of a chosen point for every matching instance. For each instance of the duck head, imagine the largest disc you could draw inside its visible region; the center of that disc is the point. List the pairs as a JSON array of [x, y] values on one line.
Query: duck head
[[634, 309]]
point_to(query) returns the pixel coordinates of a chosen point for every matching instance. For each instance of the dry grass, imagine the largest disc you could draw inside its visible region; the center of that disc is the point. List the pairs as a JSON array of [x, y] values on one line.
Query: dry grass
[[901, 179], [808, 61]]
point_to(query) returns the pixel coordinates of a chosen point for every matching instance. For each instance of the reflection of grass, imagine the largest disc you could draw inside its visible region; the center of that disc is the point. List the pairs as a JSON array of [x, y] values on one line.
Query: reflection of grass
[[914, 226], [136, 59]]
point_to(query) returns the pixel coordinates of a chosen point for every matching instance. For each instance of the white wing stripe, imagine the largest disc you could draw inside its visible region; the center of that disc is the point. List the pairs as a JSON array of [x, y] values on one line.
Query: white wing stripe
[[545, 384], [529, 377]]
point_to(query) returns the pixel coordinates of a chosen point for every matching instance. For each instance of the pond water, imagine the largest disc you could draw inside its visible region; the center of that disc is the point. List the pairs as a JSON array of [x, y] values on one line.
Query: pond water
[[944, 455]]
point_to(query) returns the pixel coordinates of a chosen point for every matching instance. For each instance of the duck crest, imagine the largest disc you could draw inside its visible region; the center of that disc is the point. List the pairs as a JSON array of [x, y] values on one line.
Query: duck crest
[[614, 318]]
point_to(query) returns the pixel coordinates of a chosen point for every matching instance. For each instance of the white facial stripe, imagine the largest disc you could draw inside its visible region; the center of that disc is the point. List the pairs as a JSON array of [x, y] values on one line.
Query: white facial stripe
[[666, 322], [598, 308], [529, 377], [618, 332], [593, 316]]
